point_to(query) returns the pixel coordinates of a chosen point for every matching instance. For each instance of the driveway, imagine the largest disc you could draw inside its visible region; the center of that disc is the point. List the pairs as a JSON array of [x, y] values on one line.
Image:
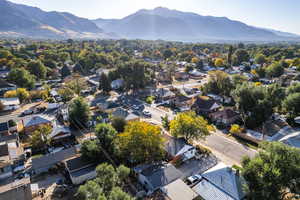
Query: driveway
[[197, 166]]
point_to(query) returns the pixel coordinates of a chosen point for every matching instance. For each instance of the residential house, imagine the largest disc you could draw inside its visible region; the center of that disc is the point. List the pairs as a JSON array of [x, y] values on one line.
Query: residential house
[[165, 94], [181, 76], [196, 74], [204, 105], [33, 123], [226, 116], [12, 150], [182, 102], [128, 116], [80, 170], [117, 84], [221, 182], [155, 176], [292, 139], [46, 162], [5, 163], [4, 129], [178, 147], [163, 77], [10, 103], [17, 190], [5, 170], [5, 86], [178, 190], [60, 133]]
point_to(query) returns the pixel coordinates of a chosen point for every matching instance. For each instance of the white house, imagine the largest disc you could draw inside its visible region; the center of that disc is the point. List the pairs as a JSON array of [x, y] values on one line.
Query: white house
[[10, 103], [80, 170]]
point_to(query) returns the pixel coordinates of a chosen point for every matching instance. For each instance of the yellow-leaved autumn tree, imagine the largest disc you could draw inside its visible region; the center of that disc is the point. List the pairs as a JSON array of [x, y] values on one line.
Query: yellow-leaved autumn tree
[[190, 126], [141, 142], [219, 62]]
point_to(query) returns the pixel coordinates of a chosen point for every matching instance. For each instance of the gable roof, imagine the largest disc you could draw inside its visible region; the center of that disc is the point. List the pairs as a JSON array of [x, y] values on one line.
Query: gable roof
[[225, 114], [77, 163], [5, 84], [4, 150], [174, 145], [204, 103], [35, 120], [4, 126], [160, 175], [222, 180], [120, 112], [53, 158], [9, 138]]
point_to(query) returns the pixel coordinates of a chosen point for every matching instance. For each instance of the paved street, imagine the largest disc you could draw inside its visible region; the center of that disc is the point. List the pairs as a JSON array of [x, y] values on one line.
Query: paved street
[[227, 150]]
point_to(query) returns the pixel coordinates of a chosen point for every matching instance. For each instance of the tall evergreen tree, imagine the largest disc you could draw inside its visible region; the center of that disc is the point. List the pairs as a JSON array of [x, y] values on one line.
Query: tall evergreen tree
[[104, 83]]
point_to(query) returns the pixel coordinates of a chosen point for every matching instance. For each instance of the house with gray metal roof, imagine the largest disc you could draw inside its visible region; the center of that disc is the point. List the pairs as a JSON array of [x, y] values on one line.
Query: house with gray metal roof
[[156, 176], [221, 182]]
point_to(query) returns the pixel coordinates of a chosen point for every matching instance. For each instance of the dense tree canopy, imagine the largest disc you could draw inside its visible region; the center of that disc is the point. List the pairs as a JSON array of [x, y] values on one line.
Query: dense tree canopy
[[274, 173], [22, 78], [141, 142], [190, 126], [79, 113]]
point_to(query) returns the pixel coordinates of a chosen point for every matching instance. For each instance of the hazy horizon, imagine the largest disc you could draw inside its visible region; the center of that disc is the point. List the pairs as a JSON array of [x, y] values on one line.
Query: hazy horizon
[[274, 14]]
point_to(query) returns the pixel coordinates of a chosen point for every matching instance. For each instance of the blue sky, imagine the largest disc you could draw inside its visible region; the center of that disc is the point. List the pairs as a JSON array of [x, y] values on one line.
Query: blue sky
[[283, 15]]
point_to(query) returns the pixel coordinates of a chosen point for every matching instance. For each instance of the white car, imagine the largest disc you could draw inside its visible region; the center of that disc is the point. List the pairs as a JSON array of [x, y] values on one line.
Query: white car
[[147, 114], [194, 179]]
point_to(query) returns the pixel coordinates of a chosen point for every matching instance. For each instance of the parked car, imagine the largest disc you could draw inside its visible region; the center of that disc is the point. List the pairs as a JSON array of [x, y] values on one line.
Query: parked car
[[27, 112], [193, 179], [135, 107], [147, 114]]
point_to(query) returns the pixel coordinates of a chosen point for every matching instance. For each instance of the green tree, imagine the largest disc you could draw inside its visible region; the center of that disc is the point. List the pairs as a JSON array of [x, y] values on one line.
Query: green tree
[[118, 123], [274, 70], [241, 55], [274, 173], [66, 94], [167, 53], [108, 177], [38, 69], [40, 137], [77, 84], [253, 103], [219, 83], [91, 151], [104, 83], [260, 59], [79, 113], [118, 194], [22, 78], [229, 56], [190, 126], [165, 122], [91, 190], [106, 135], [106, 186], [141, 142], [292, 104]]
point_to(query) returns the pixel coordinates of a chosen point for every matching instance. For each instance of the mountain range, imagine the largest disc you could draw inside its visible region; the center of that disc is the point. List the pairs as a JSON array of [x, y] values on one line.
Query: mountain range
[[18, 20], [26, 21]]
